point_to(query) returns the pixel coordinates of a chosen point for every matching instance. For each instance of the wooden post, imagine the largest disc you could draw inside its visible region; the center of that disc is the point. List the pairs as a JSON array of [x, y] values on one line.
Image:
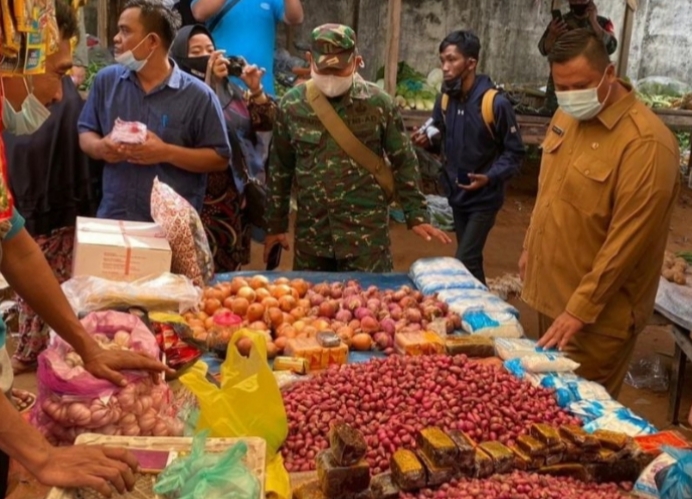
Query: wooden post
[[102, 22], [393, 40], [626, 39]]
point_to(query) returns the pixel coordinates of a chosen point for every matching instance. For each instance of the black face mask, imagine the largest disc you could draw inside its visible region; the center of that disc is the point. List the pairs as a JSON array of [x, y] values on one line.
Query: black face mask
[[453, 88], [196, 66], [579, 10]]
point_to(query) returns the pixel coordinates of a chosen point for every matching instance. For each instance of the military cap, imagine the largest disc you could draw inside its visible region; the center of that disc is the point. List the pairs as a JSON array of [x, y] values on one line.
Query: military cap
[[333, 46]]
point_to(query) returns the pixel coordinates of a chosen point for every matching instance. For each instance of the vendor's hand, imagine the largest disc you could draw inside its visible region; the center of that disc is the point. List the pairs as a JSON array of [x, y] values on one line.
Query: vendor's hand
[[427, 232], [592, 12], [273, 240], [420, 139], [107, 364], [523, 261], [561, 331], [154, 150], [112, 152], [103, 469], [218, 65], [252, 77], [477, 182]]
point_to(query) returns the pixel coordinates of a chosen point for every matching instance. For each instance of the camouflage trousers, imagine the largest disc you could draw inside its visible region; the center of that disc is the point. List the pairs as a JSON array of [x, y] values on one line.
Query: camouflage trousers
[[378, 262]]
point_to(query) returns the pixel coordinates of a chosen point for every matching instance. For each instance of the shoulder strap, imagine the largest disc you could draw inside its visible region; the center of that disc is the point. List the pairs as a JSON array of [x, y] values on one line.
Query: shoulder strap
[[444, 103], [487, 110], [343, 136], [217, 18]]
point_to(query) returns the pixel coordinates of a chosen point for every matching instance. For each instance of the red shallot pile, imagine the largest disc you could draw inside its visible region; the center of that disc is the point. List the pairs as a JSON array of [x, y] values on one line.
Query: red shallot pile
[[521, 485], [390, 399]]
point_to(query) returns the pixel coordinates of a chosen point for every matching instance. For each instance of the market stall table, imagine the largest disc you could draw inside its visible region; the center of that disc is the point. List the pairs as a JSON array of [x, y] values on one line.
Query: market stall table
[[673, 309]]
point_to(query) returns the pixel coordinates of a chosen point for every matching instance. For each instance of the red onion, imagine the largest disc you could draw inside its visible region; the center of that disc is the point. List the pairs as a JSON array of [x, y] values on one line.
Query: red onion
[[369, 325], [344, 315], [388, 326], [413, 315], [383, 340], [363, 312]]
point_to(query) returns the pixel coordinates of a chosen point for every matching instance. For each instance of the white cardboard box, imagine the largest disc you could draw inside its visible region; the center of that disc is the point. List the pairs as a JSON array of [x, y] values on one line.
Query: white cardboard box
[[119, 251]]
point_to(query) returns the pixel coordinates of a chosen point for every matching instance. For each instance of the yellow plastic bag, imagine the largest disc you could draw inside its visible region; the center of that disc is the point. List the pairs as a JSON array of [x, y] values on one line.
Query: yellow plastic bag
[[247, 404]]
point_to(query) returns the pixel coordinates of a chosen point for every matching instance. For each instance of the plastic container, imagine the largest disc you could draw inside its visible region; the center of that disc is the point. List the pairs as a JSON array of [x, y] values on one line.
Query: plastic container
[[225, 324], [255, 460]]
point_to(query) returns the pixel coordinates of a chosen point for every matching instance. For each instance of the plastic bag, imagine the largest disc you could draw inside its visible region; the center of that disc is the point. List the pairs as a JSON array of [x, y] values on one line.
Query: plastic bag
[[465, 300], [212, 476], [675, 481], [491, 324], [440, 212], [548, 363], [675, 300], [621, 421], [164, 292], [128, 132], [646, 486], [435, 274], [247, 403], [508, 348], [648, 373], [72, 401], [589, 410], [662, 85], [185, 233]]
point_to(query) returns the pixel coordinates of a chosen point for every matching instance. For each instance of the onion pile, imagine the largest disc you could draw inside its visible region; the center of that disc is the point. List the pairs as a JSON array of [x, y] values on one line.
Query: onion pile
[[390, 399], [522, 485], [286, 309], [139, 409]]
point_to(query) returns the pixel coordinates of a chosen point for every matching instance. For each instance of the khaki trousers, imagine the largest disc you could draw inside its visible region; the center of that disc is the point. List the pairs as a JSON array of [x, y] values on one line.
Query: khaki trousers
[[602, 358]]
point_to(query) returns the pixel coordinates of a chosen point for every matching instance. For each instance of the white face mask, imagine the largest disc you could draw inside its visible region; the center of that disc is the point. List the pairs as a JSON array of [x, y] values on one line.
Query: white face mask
[[331, 85], [582, 105], [31, 117], [129, 60]]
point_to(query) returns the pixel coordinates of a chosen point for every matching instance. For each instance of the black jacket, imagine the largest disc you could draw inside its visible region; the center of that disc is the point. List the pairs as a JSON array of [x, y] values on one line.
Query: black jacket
[[468, 147], [52, 180]]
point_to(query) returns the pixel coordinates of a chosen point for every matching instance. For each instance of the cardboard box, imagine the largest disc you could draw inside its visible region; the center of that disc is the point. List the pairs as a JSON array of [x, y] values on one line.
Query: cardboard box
[[119, 251]]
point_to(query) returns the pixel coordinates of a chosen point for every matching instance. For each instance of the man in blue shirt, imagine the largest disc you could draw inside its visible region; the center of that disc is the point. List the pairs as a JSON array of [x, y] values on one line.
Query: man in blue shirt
[[479, 157], [247, 28], [186, 135]]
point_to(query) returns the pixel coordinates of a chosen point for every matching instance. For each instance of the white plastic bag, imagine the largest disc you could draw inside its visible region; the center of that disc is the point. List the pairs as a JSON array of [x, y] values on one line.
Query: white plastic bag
[[548, 363], [516, 348], [621, 421]]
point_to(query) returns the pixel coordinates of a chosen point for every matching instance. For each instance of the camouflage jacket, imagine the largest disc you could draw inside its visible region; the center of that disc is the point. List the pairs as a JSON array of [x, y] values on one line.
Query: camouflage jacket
[[342, 211]]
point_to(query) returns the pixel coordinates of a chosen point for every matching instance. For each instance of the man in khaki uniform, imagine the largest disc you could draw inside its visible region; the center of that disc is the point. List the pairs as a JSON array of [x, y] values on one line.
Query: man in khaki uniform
[[608, 183]]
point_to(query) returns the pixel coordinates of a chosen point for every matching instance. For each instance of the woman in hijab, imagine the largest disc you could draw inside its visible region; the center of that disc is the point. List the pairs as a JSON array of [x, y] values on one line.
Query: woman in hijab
[[249, 118]]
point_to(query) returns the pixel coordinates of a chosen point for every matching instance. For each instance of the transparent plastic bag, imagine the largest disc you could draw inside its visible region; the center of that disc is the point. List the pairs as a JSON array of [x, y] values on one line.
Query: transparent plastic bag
[[440, 212], [663, 85], [648, 373], [212, 476], [164, 292]]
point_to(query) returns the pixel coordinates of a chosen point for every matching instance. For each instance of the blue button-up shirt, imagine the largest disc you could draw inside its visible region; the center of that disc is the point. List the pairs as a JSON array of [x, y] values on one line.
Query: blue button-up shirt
[[182, 111]]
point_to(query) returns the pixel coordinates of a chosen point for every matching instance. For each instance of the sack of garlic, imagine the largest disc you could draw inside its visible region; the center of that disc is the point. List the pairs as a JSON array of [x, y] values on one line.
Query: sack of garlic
[[71, 401]]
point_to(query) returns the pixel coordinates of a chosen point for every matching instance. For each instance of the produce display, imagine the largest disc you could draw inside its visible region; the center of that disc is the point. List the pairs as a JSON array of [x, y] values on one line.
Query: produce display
[[288, 310], [391, 399], [414, 91], [72, 401], [675, 267], [521, 484]]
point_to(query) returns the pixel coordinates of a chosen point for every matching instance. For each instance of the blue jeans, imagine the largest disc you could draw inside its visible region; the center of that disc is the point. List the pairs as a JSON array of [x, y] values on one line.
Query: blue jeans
[[472, 229]]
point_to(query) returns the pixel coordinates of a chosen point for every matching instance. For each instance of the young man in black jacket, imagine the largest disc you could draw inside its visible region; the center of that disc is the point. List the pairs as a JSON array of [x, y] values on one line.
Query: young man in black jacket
[[480, 142]]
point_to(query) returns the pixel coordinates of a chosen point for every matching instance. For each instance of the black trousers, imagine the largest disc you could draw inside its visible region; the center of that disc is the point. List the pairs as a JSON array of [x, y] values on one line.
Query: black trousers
[[472, 229]]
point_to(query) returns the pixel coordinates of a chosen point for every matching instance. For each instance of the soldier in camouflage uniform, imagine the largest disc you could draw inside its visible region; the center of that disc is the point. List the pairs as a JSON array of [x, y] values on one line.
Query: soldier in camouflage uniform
[[582, 14], [342, 222]]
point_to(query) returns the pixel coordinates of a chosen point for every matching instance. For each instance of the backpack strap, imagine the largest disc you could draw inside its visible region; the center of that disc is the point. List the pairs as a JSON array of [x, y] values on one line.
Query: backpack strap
[[444, 104], [487, 110], [344, 137]]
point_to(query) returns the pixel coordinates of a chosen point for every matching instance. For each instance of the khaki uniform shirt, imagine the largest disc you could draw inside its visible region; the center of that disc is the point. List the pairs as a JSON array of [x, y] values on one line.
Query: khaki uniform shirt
[[607, 188]]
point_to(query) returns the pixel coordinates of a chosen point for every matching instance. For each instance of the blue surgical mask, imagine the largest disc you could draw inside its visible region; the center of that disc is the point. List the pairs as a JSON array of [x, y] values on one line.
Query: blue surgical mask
[[29, 119], [129, 60]]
